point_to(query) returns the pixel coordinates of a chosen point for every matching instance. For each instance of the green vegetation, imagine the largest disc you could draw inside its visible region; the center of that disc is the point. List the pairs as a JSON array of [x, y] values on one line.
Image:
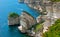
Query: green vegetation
[[55, 0], [38, 27], [14, 15], [54, 31]]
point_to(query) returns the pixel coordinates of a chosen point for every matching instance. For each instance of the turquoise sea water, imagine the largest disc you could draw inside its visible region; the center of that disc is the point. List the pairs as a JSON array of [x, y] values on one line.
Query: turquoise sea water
[[7, 6]]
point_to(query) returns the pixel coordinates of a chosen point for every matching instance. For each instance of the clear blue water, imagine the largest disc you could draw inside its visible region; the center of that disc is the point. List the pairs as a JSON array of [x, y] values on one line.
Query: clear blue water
[[7, 6]]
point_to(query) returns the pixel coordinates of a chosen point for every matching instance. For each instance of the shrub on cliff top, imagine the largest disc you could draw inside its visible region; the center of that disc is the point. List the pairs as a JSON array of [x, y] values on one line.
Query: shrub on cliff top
[[13, 15]]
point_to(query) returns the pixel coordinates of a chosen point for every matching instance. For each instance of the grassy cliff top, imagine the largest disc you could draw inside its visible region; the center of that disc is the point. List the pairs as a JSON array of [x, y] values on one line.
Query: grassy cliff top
[[38, 27], [54, 31], [13, 15], [55, 0]]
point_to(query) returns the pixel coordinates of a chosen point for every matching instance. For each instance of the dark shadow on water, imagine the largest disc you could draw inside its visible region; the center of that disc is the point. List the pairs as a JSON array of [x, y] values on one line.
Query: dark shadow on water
[[14, 30]]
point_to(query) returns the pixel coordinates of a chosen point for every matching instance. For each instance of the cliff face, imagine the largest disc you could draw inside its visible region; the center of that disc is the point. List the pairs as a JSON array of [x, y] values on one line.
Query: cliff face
[[26, 22], [56, 9], [28, 19], [36, 4], [13, 21]]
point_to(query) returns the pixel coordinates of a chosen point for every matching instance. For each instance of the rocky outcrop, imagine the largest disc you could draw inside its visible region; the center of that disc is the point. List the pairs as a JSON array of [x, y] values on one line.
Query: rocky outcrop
[[38, 19], [26, 21], [29, 18], [13, 21]]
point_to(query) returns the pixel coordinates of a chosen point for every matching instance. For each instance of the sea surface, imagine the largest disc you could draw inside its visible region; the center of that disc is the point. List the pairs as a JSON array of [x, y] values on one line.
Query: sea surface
[[6, 7]]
